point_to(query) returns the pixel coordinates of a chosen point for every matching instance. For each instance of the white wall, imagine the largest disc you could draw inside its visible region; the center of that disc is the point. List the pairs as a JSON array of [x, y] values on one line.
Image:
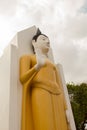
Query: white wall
[[5, 89], [13, 114], [21, 45], [72, 123], [10, 87]]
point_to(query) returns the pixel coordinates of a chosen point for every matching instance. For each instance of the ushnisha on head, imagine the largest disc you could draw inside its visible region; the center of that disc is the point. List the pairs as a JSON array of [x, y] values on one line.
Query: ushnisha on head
[[41, 41]]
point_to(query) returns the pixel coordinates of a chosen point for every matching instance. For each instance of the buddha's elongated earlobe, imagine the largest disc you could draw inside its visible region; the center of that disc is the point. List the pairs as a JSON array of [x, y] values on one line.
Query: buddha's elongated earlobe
[[33, 42]]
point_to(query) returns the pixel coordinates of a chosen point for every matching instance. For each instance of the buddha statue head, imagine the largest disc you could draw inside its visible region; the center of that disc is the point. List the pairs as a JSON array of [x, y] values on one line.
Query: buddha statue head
[[41, 41]]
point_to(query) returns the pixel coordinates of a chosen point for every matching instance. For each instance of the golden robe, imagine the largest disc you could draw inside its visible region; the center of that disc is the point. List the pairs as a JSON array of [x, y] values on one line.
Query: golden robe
[[43, 104]]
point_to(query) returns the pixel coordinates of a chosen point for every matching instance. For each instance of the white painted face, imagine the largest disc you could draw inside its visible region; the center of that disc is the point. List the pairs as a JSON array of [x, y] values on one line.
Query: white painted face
[[42, 43]]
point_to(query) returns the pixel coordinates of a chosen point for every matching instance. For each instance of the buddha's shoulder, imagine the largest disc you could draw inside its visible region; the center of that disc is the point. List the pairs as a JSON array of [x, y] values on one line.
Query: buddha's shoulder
[[25, 57]]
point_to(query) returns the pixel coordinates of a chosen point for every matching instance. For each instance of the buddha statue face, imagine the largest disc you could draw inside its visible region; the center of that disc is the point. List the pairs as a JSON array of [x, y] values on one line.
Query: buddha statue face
[[42, 42]]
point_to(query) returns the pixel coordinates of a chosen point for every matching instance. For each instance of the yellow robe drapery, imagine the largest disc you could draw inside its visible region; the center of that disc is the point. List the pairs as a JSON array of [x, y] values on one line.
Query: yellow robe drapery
[[43, 104]]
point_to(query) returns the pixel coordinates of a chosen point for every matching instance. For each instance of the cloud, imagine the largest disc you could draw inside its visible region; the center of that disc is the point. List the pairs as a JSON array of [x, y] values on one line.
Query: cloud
[[71, 48], [73, 58], [8, 7], [62, 21], [5, 31], [76, 27], [83, 9]]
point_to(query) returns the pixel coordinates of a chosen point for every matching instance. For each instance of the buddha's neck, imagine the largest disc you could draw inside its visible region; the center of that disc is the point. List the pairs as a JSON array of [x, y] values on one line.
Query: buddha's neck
[[43, 54]]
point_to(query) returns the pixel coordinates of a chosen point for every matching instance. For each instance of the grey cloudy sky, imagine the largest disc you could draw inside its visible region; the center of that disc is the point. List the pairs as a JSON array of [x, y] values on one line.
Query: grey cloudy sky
[[64, 21]]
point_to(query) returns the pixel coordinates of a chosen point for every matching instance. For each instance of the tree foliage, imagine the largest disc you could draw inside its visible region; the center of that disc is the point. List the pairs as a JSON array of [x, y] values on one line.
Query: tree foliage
[[78, 102]]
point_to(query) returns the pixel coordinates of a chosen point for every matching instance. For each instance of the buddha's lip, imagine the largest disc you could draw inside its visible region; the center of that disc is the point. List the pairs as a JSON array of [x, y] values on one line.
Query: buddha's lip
[[48, 44]]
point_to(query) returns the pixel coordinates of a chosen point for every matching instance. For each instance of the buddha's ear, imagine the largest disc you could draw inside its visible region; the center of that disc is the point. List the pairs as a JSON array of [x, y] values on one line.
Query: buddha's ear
[[33, 42]]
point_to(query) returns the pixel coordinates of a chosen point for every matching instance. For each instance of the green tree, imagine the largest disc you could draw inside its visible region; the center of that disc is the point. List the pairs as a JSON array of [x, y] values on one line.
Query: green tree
[[78, 102]]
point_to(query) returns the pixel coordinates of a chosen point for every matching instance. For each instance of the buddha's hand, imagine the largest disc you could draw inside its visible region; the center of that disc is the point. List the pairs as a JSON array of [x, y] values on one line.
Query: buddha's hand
[[41, 60], [68, 116]]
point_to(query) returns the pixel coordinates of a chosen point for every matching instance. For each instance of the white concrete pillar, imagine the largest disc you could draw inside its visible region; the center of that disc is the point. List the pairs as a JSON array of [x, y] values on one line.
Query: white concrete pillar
[[10, 86], [72, 123], [5, 88]]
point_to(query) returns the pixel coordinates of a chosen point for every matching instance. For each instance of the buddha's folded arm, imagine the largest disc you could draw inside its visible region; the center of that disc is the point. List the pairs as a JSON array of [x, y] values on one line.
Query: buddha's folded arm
[[26, 72]]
